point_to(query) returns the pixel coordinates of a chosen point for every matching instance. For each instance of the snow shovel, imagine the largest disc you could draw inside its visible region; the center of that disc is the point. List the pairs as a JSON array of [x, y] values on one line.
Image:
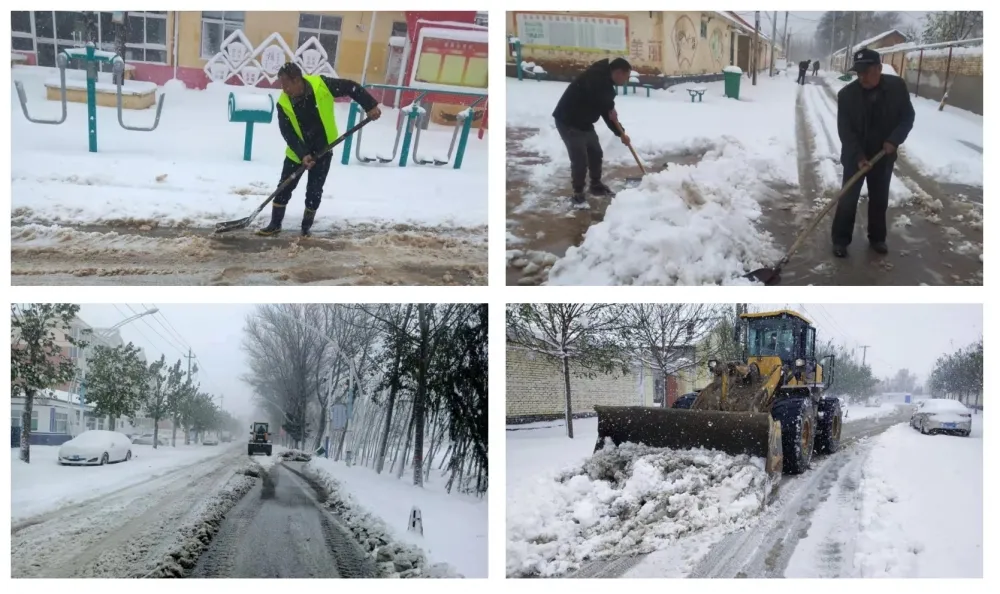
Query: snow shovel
[[631, 182], [772, 276], [245, 221]]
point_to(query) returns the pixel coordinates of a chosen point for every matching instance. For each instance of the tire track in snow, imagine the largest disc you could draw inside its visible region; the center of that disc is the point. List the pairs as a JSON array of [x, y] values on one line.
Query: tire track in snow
[[115, 535]]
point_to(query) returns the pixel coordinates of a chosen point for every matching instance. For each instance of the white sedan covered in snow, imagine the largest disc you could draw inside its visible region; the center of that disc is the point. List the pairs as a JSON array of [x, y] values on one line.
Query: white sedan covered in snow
[[941, 415], [96, 447]]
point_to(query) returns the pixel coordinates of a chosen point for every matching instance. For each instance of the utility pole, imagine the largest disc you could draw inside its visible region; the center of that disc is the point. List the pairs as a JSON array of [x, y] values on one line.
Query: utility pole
[[833, 38], [189, 356], [784, 36], [756, 45], [864, 354], [850, 48], [774, 33]]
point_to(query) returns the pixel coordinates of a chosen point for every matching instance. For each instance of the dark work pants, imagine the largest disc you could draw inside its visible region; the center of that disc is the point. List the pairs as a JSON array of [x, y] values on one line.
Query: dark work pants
[[802, 77], [878, 203], [585, 152], [314, 186]]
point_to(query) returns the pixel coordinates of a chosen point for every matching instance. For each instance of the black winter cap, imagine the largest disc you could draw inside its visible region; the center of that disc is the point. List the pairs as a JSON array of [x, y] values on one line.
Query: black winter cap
[[864, 58]]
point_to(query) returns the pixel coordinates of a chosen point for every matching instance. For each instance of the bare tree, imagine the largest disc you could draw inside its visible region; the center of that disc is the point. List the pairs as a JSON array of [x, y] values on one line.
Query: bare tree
[[284, 360], [562, 332], [665, 336]]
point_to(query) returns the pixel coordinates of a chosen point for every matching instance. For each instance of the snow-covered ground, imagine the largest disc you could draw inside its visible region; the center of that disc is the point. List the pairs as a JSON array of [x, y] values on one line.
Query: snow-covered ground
[[566, 507], [857, 412], [937, 144], [701, 220], [455, 527], [913, 508], [44, 485], [190, 172], [688, 224]]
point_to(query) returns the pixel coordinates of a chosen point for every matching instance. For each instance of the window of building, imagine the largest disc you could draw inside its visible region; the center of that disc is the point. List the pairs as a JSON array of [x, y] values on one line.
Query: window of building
[[482, 19], [15, 418], [323, 27], [398, 29], [100, 423], [22, 34], [62, 423], [91, 422], [146, 38], [216, 27], [34, 420]]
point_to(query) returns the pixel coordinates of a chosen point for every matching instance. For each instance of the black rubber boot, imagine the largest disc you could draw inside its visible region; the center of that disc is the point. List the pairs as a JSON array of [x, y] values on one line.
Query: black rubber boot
[[307, 222], [580, 201], [840, 251], [880, 247], [598, 188], [274, 227]]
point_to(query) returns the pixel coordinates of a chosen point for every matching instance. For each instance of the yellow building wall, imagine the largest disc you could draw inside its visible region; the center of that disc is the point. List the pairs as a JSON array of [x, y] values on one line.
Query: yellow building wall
[[350, 57], [660, 42]]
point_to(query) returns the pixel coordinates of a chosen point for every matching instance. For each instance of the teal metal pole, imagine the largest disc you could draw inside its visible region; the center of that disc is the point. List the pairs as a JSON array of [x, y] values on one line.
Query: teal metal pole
[[407, 136], [91, 67], [517, 50], [248, 142], [352, 115], [464, 138]]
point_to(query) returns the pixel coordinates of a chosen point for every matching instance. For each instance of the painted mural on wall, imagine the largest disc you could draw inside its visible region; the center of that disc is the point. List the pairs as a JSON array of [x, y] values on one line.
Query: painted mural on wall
[[655, 48], [717, 44], [251, 65], [684, 38]]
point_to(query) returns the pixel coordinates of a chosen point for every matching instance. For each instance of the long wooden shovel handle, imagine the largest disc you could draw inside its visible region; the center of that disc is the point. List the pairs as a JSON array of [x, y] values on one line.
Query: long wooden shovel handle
[[629, 145], [812, 226]]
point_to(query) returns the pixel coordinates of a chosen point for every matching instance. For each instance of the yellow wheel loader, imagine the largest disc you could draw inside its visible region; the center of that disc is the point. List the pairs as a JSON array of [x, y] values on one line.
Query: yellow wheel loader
[[772, 404]]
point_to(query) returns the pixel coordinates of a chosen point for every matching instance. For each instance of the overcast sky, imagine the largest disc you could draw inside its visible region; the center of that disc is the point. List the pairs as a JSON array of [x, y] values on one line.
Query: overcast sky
[[803, 23], [898, 336], [213, 332]]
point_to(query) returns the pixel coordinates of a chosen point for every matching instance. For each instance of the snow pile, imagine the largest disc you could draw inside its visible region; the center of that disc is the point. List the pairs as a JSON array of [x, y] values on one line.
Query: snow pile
[[689, 225], [627, 500], [373, 535], [296, 456], [922, 506], [196, 536]]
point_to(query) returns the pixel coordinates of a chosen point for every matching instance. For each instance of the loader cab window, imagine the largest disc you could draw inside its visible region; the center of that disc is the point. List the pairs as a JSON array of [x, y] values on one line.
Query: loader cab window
[[810, 344], [772, 338]]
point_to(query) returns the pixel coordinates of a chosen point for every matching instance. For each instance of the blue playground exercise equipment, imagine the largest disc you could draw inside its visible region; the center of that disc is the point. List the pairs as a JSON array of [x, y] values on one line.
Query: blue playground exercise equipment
[[92, 58], [250, 112], [409, 132]]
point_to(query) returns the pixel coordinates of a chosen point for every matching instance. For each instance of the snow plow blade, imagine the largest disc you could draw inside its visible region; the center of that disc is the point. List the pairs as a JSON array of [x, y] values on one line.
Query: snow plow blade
[[735, 433]]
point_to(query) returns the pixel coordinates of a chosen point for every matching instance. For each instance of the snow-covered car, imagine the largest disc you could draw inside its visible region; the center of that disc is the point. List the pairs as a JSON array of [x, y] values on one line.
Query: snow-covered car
[[685, 401], [210, 441], [96, 447], [147, 439], [941, 415]]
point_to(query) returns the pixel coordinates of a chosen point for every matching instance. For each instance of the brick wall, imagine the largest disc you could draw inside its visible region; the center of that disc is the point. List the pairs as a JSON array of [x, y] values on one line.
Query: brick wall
[[536, 390]]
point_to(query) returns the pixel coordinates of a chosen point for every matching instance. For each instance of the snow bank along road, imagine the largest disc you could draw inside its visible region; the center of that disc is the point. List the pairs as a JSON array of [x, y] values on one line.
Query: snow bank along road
[[761, 550], [123, 533], [279, 530]]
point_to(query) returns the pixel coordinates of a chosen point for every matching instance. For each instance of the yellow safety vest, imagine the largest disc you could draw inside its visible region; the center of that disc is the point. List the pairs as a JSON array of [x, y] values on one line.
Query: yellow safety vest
[[324, 103]]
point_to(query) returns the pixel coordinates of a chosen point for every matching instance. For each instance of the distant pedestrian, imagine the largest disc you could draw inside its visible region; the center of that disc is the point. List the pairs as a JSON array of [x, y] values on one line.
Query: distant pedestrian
[[815, 67], [803, 68], [874, 113]]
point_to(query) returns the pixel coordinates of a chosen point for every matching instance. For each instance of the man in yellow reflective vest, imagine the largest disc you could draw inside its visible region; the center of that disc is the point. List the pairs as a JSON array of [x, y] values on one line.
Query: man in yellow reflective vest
[[308, 125]]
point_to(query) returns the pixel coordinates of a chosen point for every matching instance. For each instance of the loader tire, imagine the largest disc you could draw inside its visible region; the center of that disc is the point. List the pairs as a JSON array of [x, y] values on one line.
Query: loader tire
[[829, 426], [798, 432]]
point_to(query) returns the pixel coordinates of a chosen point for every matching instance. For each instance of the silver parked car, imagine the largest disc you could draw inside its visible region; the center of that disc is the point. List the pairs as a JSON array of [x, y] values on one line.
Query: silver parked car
[[941, 415]]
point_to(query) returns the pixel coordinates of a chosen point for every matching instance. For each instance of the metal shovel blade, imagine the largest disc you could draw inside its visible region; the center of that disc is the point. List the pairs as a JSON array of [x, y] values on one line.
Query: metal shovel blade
[[767, 276], [232, 225], [632, 182]]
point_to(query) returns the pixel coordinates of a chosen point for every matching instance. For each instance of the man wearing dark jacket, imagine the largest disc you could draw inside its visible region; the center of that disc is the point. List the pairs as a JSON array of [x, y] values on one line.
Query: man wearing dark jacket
[[874, 113], [803, 67], [815, 67], [591, 96], [308, 125]]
